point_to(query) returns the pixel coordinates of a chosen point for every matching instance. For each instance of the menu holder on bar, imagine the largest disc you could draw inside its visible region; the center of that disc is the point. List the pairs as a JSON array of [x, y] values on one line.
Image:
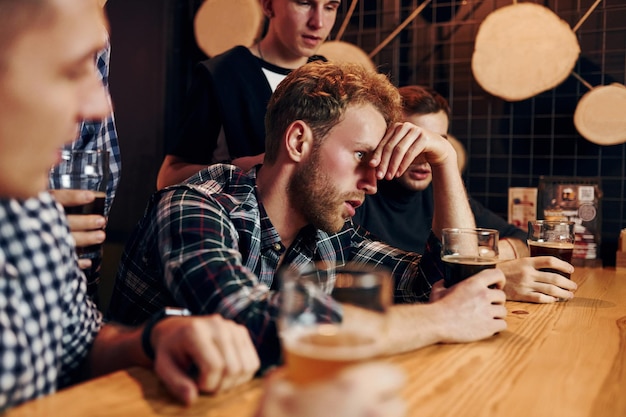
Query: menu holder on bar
[[576, 199], [522, 206]]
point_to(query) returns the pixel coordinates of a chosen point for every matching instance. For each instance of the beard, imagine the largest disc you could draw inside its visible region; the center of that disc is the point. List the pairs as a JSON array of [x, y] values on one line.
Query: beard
[[311, 193]]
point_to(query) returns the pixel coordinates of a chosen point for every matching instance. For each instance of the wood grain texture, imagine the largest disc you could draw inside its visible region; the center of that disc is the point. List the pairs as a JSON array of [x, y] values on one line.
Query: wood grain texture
[[565, 359]]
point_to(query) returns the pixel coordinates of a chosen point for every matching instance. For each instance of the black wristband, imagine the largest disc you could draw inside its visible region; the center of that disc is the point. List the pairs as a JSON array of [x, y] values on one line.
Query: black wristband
[[146, 333]]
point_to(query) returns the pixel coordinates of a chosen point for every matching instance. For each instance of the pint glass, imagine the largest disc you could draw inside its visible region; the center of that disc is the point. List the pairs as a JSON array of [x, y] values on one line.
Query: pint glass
[[331, 318]]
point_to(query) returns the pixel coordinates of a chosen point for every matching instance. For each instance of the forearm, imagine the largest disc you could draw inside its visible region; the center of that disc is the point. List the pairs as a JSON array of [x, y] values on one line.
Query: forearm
[[469, 311], [220, 350], [116, 347], [174, 171], [406, 327], [452, 207], [510, 248], [248, 162], [412, 327]]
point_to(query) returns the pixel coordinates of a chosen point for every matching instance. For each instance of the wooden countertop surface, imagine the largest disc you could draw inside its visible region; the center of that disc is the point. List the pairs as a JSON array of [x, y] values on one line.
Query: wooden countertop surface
[[565, 359]]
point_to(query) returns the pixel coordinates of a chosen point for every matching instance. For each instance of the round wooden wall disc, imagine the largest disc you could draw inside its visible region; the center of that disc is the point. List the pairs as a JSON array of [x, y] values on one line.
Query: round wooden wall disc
[[222, 24], [339, 51], [522, 50], [600, 115]]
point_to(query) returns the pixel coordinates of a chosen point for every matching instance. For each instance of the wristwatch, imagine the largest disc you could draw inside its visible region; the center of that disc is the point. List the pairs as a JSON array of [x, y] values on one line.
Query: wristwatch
[[153, 320]]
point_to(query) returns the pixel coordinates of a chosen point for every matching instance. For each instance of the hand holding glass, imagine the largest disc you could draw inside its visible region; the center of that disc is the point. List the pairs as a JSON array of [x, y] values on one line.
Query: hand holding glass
[[84, 170], [552, 238], [466, 252], [318, 340]]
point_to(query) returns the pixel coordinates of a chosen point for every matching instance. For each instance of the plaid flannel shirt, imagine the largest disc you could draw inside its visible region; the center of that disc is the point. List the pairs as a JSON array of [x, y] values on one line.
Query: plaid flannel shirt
[[209, 246]]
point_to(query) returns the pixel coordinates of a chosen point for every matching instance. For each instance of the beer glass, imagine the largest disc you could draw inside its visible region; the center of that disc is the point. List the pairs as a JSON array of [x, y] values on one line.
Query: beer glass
[[84, 170], [552, 238], [332, 318], [466, 252]]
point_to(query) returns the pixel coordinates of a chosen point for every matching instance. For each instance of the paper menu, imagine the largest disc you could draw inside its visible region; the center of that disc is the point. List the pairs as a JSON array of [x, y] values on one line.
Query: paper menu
[[522, 206]]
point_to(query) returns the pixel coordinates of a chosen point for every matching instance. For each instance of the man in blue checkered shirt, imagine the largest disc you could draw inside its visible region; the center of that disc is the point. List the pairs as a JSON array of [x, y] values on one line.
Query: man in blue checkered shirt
[[214, 243], [51, 333], [102, 134], [94, 134]]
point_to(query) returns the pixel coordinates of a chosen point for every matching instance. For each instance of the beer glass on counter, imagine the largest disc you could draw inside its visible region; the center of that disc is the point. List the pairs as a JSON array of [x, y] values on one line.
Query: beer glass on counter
[[552, 238], [467, 251], [331, 318], [84, 170]]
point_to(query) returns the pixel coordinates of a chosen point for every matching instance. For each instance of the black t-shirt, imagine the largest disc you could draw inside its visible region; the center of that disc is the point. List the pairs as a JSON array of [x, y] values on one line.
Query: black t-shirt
[[228, 91], [403, 218]]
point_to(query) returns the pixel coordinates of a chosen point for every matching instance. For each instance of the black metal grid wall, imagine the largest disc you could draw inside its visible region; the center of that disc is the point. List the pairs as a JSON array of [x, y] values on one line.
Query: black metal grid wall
[[509, 144]]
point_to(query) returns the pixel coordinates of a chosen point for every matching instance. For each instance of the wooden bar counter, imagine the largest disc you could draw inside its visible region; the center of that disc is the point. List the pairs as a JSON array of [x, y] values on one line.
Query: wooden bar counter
[[566, 359]]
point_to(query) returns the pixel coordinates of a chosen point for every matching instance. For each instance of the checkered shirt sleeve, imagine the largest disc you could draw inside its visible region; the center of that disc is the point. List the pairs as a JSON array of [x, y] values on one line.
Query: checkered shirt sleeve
[[102, 134], [47, 322]]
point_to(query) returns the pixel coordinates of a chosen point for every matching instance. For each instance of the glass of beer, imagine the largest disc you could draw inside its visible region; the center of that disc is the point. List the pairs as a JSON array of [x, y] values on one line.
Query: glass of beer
[[84, 170], [552, 238], [332, 318], [466, 252]]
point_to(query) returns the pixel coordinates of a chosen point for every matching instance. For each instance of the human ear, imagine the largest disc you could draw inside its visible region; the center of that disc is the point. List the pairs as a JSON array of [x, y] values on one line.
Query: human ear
[[298, 138], [268, 8]]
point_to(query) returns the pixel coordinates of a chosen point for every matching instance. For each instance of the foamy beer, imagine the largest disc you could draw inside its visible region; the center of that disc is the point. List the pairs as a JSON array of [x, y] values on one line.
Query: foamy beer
[[466, 252], [84, 170], [317, 342], [552, 238]]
